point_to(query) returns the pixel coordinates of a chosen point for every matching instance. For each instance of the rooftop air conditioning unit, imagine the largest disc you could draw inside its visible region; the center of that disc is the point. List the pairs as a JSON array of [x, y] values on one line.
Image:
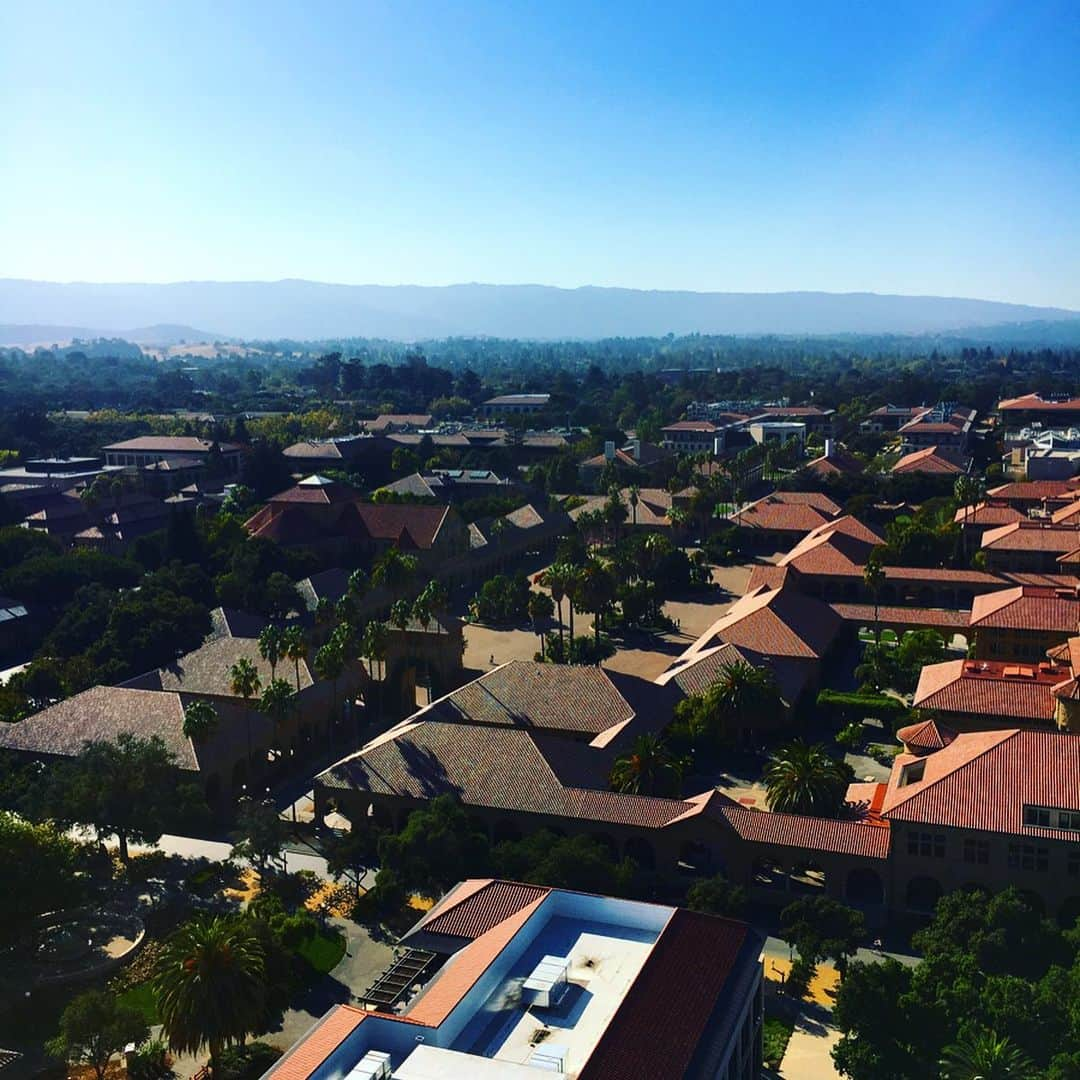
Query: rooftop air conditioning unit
[[374, 1065]]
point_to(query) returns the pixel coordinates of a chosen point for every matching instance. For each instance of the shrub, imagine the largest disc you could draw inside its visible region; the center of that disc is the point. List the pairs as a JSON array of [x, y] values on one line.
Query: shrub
[[248, 1061], [851, 735], [799, 978], [853, 707]]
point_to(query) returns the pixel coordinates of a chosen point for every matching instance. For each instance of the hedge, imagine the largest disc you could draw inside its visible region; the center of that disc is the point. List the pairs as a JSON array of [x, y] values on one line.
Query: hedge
[[856, 706]]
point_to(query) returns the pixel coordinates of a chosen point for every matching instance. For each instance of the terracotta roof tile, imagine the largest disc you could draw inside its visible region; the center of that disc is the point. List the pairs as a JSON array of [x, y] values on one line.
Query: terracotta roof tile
[[1027, 607], [676, 996], [1006, 692], [1032, 536], [933, 459], [983, 780], [474, 907]]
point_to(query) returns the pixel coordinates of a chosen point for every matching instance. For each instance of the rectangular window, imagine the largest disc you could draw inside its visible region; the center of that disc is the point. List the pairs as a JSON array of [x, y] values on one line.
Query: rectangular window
[[1073, 864], [976, 851], [1051, 817], [1029, 857], [926, 844]]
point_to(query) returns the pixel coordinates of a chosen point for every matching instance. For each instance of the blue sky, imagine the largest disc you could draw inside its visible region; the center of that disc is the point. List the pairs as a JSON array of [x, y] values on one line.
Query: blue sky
[[892, 147]]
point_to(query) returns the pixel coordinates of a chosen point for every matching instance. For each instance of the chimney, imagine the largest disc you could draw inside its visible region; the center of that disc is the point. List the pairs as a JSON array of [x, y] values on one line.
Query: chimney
[[828, 448], [609, 451], [635, 449]]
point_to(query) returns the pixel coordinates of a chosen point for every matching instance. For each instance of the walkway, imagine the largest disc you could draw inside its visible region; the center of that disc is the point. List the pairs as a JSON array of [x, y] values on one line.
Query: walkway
[[809, 1051]]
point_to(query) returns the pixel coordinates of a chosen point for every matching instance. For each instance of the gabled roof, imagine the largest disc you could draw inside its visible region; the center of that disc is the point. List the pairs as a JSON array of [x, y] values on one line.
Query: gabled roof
[[473, 907], [172, 444], [704, 426], [933, 459], [1034, 490], [837, 463], [318, 490], [983, 780], [1027, 607], [776, 623], [206, 670], [842, 546], [789, 511], [987, 515], [100, 714], [1032, 536]]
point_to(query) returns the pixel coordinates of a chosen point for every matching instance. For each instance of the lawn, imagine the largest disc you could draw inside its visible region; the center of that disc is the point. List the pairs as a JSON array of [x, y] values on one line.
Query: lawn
[[323, 951], [141, 997], [776, 1035]]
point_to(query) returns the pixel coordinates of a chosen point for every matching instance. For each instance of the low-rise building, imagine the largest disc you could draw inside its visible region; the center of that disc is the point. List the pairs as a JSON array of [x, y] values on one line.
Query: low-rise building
[[506, 981], [780, 520], [515, 404], [943, 426], [452, 485], [931, 461], [635, 462], [1032, 409], [887, 418], [1023, 622], [149, 449], [691, 437], [1029, 546]]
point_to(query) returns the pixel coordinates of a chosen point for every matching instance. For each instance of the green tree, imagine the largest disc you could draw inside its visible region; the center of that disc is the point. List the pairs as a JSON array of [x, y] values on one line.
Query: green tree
[[820, 927], [540, 609], [209, 985], [874, 580], [982, 1055], [354, 853], [649, 768], [295, 648], [271, 647], [395, 571], [262, 833], [94, 1027], [438, 847], [200, 720], [277, 702], [40, 874], [329, 664], [245, 683], [556, 579], [804, 779], [565, 862], [125, 788], [717, 896]]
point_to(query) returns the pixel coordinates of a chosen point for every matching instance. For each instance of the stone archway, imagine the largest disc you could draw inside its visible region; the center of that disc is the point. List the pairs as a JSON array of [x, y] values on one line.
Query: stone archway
[[808, 877], [769, 874], [864, 887]]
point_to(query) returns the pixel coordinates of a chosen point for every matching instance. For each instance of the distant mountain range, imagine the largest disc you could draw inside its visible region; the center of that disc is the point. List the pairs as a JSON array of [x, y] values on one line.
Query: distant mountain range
[[26, 334], [309, 310]]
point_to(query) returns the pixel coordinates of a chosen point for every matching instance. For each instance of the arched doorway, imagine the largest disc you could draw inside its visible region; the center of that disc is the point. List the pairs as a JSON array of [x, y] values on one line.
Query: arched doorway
[[769, 874], [695, 857], [922, 895], [864, 887], [808, 877]]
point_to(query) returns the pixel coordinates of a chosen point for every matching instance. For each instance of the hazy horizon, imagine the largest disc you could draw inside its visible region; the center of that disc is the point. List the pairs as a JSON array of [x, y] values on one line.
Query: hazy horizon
[[924, 150]]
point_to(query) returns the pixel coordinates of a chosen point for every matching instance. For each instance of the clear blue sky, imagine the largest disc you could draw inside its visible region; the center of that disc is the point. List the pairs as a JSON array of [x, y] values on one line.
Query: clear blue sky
[[893, 147]]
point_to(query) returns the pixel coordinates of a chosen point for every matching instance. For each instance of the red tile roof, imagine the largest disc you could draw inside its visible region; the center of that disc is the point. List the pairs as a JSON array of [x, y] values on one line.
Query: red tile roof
[[838, 463], [926, 736], [1027, 607], [1033, 402], [987, 515], [672, 1004], [841, 837], [692, 425], [474, 907], [983, 780], [1032, 536], [933, 459], [171, 444], [1034, 490], [1005, 692], [937, 618], [788, 511]]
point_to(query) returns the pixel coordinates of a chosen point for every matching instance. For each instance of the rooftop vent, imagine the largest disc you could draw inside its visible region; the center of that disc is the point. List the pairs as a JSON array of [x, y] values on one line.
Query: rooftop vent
[[374, 1065]]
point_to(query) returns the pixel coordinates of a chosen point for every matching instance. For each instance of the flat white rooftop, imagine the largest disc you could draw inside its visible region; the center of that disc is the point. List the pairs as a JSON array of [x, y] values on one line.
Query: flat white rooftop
[[431, 1063]]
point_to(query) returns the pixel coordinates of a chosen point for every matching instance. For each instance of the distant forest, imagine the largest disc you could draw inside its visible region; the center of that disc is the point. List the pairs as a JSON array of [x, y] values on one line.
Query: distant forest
[[606, 386]]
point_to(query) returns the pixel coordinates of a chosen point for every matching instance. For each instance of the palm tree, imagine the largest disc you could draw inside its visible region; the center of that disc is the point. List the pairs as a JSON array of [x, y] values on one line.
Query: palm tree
[[294, 646], [983, 1056], [401, 612], [741, 693], [648, 764], [373, 647], [210, 986], [395, 571], [573, 599], [277, 702], [200, 720], [555, 577], [596, 592], [330, 663], [803, 779], [967, 490], [874, 580], [244, 681], [270, 642]]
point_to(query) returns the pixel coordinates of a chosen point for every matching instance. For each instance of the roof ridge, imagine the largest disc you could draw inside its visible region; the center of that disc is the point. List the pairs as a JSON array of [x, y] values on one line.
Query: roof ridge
[[924, 786]]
